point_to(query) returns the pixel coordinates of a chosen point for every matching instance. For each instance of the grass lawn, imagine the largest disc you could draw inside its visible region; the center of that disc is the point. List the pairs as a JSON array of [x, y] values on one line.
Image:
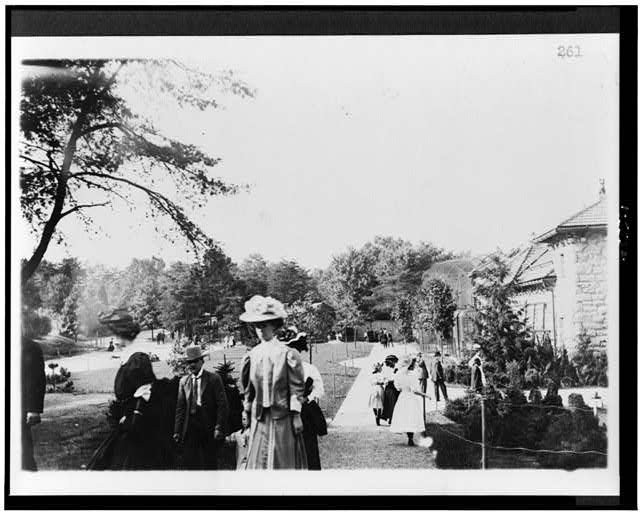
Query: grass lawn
[[379, 448], [67, 439]]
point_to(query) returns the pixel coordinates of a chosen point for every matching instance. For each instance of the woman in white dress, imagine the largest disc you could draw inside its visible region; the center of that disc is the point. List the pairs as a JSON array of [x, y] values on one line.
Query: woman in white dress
[[407, 415], [376, 395]]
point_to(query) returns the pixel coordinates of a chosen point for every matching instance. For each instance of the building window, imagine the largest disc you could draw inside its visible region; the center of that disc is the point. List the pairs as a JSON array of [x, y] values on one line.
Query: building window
[[536, 319]]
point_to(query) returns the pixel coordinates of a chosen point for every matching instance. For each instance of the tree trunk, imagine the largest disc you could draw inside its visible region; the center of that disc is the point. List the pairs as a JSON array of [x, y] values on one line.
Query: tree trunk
[[56, 214]]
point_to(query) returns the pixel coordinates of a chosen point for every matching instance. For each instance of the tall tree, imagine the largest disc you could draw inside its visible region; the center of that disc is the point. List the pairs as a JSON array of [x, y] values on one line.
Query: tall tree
[[57, 283], [83, 144], [403, 314], [437, 308], [315, 318], [69, 327], [216, 278], [499, 327], [254, 272], [347, 283], [93, 302], [288, 281]]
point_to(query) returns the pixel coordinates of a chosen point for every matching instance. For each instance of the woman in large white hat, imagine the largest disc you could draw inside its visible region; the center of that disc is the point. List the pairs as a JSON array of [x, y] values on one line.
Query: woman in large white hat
[[272, 380], [407, 415]]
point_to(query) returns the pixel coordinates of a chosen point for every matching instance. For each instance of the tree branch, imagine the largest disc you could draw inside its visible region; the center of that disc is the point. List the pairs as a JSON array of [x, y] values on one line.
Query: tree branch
[[37, 162], [102, 126], [78, 207], [101, 187]]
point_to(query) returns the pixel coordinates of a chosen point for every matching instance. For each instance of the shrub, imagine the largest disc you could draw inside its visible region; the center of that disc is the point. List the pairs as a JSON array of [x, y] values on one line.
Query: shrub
[[58, 381], [510, 422], [532, 378], [463, 374], [234, 398], [576, 430], [450, 373], [514, 374], [591, 365], [535, 396]]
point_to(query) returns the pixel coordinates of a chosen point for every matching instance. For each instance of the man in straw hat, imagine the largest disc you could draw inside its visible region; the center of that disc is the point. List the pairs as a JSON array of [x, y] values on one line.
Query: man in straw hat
[[201, 413]]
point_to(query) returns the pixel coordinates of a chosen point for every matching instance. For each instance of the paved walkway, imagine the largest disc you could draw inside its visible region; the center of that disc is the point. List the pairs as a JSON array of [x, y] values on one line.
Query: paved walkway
[[355, 412]]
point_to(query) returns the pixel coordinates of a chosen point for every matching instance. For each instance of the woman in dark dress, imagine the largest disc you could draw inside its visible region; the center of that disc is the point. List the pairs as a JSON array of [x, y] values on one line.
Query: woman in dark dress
[[313, 421], [391, 393], [143, 416]]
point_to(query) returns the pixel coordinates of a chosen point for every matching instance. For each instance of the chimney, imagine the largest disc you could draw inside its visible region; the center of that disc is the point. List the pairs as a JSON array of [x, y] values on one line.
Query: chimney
[[603, 191]]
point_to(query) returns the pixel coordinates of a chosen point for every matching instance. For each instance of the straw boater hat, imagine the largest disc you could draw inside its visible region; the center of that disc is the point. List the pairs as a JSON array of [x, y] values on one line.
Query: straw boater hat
[[261, 309], [193, 353]]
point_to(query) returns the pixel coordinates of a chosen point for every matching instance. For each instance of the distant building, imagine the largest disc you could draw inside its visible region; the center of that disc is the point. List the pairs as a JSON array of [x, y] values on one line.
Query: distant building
[[576, 262], [456, 274], [561, 279]]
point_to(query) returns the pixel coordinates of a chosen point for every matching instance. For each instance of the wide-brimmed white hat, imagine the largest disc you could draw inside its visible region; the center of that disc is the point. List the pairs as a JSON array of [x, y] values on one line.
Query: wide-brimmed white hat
[[261, 309]]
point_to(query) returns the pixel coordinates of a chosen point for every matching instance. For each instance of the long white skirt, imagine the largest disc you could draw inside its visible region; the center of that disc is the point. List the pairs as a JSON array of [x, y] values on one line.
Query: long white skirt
[[407, 416]]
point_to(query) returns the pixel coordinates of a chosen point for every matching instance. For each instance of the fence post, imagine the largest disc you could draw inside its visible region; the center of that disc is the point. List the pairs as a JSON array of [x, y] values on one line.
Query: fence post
[[334, 384], [484, 450]]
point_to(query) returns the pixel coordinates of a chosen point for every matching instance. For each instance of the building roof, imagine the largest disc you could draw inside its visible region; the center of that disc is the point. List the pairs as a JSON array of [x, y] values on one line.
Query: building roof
[[531, 266], [592, 217], [455, 273]]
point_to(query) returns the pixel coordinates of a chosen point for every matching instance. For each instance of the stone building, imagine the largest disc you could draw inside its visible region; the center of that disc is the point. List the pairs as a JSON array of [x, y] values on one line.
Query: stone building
[[576, 252], [561, 279]]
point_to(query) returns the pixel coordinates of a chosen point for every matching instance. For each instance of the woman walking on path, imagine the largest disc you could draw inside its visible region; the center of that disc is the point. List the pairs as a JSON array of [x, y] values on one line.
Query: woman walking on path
[[272, 380], [407, 417], [313, 421], [377, 392], [390, 391]]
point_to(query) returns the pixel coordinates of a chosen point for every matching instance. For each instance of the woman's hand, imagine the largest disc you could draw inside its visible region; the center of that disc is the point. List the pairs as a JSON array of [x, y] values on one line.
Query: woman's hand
[[297, 423]]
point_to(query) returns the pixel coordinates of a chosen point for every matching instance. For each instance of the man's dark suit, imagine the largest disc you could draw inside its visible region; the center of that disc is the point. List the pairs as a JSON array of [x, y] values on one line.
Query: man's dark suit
[[437, 376], [196, 425], [33, 383]]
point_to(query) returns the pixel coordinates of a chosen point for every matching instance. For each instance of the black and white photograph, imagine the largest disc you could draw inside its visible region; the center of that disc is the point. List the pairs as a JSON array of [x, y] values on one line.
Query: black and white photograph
[[392, 260]]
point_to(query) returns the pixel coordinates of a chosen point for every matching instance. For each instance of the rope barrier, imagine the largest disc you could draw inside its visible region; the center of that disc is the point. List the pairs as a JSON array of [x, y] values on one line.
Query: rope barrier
[[550, 406], [499, 447]]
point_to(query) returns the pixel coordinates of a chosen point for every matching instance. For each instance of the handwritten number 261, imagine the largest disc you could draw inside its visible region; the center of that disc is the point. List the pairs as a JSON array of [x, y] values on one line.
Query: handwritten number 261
[[569, 51]]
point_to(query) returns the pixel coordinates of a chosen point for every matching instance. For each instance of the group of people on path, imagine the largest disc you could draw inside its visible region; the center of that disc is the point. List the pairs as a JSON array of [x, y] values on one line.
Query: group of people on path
[[281, 417], [383, 336], [399, 390]]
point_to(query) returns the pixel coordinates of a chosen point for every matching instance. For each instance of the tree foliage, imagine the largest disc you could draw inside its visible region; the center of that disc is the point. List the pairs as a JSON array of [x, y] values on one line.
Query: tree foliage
[[403, 313], [315, 318], [70, 327], [254, 272], [83, 145], [437, 307], [288, 281], [500, 329], [364, 284]]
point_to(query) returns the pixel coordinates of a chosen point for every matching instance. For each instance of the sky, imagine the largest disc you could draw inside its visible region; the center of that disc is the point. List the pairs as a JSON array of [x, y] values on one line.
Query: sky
[[470, 143]]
